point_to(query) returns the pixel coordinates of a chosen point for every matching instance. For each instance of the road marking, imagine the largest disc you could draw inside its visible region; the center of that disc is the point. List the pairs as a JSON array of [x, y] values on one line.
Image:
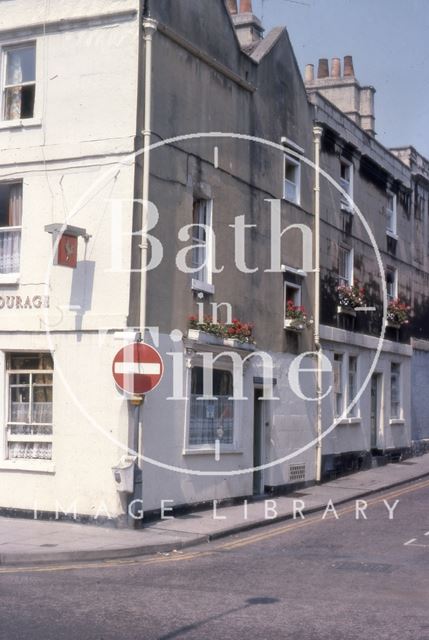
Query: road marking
[[217, 450], [410, 542], [154, 560], [427, 533], [216, 157]]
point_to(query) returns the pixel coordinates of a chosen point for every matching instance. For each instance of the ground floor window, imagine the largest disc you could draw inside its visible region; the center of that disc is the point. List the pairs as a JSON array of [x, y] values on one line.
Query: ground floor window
[[395, 390], [29, 405], [211, 419]]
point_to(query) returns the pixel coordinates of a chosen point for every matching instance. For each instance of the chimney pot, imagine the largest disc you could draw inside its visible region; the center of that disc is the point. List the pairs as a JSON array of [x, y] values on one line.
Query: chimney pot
[[246, 6], [323, 69], [336, 68], [349, 71], [309, 73], [232, 6]]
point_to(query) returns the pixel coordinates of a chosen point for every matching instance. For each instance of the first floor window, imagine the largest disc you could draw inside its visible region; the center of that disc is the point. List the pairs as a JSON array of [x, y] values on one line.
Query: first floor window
[[201, 231], [211, 418], [19, 82], [338, 385], [345, 266], [391, 283], [29, 417], [292, 180], [346, 181], [395, 390], [10, 227]]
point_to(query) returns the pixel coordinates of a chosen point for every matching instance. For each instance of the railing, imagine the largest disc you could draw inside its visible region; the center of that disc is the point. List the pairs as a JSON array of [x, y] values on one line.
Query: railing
[[10, 249]]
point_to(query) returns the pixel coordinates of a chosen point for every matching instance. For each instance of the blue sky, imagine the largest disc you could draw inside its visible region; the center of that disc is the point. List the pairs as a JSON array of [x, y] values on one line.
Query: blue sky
[[389, 42]]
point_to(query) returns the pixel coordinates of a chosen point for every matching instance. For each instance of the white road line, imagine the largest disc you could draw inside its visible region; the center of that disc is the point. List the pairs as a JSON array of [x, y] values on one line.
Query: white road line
[[216, 157], [427, 533], [217, 449], [410, 542]]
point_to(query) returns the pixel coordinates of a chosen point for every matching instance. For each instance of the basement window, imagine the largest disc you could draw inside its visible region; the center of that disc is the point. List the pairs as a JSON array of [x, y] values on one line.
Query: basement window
[[19, 82]]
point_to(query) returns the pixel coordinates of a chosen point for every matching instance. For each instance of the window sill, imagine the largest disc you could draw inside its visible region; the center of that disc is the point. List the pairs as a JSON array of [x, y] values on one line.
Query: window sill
[[205, 287], [346, 208], [295, 202], [356, 420], [21, 124], [32, 466], [211, 451], [9, 278], [397, 421], [391, 234]]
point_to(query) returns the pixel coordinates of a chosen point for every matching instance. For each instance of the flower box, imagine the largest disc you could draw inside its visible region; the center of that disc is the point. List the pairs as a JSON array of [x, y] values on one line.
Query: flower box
[[203, 337], [292, 324], [347, 311]]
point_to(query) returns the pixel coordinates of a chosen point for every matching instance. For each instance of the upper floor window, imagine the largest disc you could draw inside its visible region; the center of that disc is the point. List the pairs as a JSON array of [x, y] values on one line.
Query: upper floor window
[[19, 82], [391, 213], [10, 227], [346, 182], [202, 244], [352, 385], [391, 283], [338, 384], [29, 415], [345, 266], [292, 180]]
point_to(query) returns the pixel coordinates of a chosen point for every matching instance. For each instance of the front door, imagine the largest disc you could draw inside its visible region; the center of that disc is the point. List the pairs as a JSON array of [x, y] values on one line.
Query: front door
[[374, 410], [258, 443]]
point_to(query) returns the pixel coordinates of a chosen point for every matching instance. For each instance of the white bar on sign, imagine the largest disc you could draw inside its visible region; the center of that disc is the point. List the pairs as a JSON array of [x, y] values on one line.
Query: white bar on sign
[[139, 368]]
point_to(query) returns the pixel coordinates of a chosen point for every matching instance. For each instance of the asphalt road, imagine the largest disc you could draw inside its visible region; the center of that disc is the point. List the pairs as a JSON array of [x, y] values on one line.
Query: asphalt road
[[332, 579]]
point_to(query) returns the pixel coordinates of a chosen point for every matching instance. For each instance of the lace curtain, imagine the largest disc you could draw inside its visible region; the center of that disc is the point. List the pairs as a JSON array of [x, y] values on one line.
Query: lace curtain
[[10, 240]]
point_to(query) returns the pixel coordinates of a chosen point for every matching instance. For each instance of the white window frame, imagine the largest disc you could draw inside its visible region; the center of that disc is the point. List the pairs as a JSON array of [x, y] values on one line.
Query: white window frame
[[289, 160], [28, 438], [395, 283], [354, 412], [348, 281], [4, 49], [340, 357], [13, 277], [347, 185], [391, 215], [298, 292], [399, 401], [208, 448], [203, 280]]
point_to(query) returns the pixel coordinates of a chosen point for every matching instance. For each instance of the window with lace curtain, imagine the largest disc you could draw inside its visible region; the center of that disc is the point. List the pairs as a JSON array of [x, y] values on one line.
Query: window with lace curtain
[[10, 227], [211, 418], [19, 81], [29, 415]]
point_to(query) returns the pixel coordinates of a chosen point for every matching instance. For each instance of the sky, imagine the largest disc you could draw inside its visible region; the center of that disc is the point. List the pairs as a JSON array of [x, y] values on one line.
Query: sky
[[389, 42]]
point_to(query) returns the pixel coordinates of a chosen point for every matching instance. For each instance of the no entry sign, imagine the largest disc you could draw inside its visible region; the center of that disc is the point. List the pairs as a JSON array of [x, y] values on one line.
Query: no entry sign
[[137, 368]]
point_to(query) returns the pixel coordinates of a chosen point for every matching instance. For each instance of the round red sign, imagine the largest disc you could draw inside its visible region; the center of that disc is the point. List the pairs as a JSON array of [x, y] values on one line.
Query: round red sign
[[137, 368]]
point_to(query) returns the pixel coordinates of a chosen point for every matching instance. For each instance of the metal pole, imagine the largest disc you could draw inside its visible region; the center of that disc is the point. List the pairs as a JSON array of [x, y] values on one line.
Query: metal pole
[[317, 133]]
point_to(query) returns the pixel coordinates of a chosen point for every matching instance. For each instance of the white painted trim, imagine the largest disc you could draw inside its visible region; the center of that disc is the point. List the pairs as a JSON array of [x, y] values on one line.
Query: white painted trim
[[290, 143], [10, 278], [205, 287], [297, 164], [33, 466]]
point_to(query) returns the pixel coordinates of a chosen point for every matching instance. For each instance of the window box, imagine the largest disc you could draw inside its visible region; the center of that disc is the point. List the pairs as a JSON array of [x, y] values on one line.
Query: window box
[[292, 324], [207, 338], [347, 311]]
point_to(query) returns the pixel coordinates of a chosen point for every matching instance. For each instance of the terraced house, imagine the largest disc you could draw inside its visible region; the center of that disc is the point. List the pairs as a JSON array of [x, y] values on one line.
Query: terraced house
[[253, 265]]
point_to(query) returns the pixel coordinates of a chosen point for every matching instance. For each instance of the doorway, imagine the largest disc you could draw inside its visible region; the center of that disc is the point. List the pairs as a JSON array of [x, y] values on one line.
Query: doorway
[[258, 442]]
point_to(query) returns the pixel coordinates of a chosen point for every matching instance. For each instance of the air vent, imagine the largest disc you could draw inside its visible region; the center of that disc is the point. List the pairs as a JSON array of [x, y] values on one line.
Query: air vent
[[297, 472]]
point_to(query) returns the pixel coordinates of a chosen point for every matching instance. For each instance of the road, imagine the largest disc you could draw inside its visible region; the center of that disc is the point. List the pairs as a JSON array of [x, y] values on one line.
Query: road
[[332, 579]]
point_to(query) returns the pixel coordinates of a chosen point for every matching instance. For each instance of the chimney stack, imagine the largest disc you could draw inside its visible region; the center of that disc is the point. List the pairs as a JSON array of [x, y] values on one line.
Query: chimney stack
[[246, 6], [309, 73], [232, 6], [349, 71], [336, 68], [323, 69]]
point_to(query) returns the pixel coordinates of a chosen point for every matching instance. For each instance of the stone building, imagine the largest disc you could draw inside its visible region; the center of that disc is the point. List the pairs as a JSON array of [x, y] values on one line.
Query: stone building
[[229, 132]]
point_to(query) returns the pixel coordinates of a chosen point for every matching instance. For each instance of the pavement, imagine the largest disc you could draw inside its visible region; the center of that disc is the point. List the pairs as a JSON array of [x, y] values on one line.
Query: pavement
[[25, 542]]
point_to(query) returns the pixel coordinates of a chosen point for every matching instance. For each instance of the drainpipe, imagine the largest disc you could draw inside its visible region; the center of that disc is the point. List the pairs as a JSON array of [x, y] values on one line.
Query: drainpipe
[[317, 133], [149, 28]]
